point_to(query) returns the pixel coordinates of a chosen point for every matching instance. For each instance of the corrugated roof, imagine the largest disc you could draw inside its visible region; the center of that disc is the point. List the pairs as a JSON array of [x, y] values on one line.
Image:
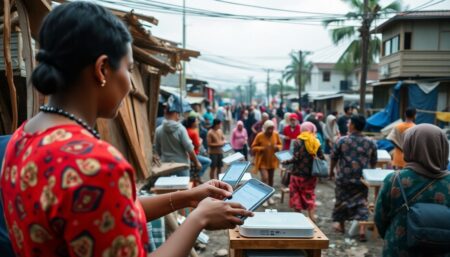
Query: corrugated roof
[[324, 65], [415, 15]]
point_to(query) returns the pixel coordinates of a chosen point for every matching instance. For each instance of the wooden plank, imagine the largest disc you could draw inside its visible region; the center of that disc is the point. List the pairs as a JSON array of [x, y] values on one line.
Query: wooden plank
[[38, 10], [8, 63], [142, 56], [141, 119], [104, 130], [125, 120], [154, 85], [28, 55]]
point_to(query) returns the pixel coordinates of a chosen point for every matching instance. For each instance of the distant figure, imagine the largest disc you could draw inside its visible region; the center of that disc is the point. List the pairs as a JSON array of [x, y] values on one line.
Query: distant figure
[[425, 149], [208, 116], [299, 115], [397, 134], [343, 120], [319, 133], [258, 114], [353, 153], [284, 122], [258, 126], [192, 127], [239, 139], [291, 132], [331, 133], [302, 184], [215, 142], [264, 147], [228, 120]]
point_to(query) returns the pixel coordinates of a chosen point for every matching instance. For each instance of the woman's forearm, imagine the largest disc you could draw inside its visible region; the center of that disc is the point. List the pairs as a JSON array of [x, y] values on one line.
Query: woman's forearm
[[181, 241], [160, 205]]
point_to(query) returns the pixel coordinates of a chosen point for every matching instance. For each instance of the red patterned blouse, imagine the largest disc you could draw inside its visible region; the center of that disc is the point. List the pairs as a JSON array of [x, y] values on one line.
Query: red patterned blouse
[[65, 193]]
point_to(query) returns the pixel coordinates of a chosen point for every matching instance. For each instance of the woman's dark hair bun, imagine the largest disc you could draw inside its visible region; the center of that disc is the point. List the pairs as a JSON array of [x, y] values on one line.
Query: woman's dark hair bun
[[72, 37], [47, 79]]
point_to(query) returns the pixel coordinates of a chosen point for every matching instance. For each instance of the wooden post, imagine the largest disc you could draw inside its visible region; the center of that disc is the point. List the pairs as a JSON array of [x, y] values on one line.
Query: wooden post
[[8, 63]]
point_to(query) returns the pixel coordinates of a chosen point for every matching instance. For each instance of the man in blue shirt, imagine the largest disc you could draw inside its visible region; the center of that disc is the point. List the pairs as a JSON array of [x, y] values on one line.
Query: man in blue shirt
[[5, 244]]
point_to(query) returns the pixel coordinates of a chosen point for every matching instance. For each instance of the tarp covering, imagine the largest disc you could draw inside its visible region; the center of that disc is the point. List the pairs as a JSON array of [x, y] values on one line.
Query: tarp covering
[[423, 101], [390, 113]]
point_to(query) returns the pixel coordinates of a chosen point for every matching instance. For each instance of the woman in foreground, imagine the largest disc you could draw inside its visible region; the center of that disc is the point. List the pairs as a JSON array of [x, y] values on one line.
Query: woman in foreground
[[68, 193]]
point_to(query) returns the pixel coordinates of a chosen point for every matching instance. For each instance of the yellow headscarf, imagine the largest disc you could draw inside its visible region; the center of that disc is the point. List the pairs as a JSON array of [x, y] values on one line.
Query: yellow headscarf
[[312, 144]]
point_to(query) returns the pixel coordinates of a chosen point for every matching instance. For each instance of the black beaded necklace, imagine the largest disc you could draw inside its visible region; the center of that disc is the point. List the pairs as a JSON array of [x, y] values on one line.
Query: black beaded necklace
[[60, 111]]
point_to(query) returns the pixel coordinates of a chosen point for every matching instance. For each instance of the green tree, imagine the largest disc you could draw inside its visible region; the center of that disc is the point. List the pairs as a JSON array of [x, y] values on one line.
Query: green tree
[[345, 31], [292, 70], [251, 90]]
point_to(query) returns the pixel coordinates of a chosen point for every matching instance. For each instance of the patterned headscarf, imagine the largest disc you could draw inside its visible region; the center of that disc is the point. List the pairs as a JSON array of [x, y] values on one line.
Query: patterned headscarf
[[267, 125]]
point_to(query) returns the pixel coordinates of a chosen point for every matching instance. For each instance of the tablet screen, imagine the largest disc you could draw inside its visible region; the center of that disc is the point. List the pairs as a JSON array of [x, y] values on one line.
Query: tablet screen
[[234, 172], [226, 148], [284, 155], [250, 194]]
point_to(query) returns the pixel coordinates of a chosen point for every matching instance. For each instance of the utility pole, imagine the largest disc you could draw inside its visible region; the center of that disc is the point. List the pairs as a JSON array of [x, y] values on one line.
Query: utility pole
[[281, 91], [183, 72], [368, 17], [300, 70], [268, 87]]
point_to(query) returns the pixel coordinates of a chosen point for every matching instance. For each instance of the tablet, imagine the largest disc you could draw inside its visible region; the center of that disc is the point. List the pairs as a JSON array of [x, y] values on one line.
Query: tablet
[[251, 194], [234, 173], [227, 148], [233, 158], [284, 155]]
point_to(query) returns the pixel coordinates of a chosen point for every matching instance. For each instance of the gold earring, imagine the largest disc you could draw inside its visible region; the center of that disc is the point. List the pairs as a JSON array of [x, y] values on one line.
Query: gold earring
[[103, 83]]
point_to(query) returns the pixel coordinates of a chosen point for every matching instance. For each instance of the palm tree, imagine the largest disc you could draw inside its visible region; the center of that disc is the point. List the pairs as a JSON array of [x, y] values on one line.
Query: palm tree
[[293, 69], [344, 32]]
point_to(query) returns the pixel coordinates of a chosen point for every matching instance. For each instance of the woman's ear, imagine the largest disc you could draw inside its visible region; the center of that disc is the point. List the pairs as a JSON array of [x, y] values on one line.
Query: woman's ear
[[101, 69]]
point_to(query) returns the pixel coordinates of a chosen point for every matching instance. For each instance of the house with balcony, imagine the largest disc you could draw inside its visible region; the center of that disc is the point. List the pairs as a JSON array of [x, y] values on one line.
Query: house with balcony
[[414, 65]]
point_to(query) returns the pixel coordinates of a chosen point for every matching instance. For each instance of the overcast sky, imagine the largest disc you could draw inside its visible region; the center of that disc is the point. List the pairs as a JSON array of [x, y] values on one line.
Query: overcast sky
[[258, 44]]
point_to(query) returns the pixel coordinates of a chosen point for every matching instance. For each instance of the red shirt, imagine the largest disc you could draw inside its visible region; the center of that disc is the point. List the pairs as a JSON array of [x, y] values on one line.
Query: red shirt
[[290, 135], [68, 194], [193, 135]]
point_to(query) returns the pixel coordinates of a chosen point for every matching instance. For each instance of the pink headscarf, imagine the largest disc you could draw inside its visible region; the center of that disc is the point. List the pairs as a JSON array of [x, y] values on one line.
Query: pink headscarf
[[308, 126], [239, 123]]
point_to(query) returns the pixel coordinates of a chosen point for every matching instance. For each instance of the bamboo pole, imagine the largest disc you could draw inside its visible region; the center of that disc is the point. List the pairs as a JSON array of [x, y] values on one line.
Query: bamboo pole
[[8, 62]]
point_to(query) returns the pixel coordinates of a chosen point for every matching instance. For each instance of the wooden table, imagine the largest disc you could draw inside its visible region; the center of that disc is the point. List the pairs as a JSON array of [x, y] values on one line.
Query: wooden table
[[384, 158], [313, 246]]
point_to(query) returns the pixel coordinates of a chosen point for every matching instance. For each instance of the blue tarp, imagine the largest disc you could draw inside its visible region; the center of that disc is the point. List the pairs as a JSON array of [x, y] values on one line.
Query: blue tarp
[[423, 101], [390, 113], [385, 144]]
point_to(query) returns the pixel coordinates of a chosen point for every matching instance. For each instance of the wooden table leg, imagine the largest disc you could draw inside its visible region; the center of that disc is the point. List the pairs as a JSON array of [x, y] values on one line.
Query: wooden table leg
[[315, 253]]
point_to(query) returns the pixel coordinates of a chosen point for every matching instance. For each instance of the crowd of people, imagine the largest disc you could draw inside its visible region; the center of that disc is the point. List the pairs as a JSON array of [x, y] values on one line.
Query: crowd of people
[[65, 192]]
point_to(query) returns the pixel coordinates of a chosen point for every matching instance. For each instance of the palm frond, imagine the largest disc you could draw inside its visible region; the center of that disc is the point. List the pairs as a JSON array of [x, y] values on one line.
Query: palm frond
[[339, 34], [395, 6]]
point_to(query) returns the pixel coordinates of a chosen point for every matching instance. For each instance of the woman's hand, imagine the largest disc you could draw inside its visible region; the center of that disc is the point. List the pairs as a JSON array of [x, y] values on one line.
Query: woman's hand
[[213, 188], [216, 214]]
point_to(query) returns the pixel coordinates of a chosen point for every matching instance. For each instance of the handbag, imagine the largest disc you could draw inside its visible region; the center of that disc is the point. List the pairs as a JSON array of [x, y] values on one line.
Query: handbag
[[319, 168], [427, 224]]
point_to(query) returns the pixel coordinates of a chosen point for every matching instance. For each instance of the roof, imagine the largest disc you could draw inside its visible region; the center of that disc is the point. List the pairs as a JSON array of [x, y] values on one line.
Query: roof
[[415, 15], [324, 65]]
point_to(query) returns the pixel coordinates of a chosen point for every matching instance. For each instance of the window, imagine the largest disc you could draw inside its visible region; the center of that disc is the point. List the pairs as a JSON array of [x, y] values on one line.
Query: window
[[391, 46], [407, 43], [326, 76], [444, 41]]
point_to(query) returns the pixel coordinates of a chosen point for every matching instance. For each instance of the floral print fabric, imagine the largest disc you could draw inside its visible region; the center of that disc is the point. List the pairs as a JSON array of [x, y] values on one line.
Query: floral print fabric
[[68, 194]]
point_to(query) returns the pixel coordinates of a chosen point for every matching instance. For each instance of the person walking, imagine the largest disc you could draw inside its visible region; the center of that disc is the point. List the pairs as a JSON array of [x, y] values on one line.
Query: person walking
[[343, 120], [291, 131], [302, 184], [397, 134], [353, 153], [331, 133], [68, 193], [215, 142], [239, 139], [264, 147], [425, 179]]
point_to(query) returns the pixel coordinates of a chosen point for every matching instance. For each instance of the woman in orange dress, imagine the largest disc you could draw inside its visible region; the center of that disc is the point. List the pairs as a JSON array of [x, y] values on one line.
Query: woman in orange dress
[[264, 147]]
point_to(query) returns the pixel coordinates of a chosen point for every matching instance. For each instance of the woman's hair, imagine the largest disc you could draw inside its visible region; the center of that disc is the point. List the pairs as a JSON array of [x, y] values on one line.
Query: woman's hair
[[189, 122], [72, 37], [316, 123]]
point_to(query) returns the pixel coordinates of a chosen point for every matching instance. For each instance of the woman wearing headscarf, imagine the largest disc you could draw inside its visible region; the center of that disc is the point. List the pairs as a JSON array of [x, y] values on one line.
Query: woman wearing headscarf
[[239, 139], [302, 184], [331, 132], [426, 152], [264, 147]]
